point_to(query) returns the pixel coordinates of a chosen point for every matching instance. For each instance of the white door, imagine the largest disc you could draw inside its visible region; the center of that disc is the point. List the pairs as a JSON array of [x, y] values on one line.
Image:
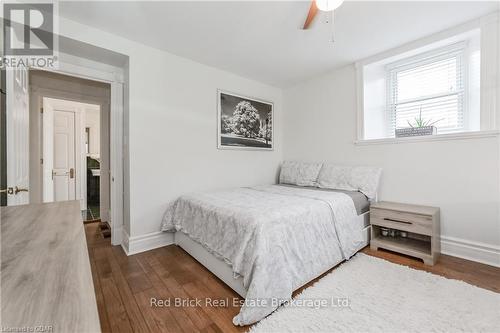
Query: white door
[[63, 156], [63, 172], [17, 127]]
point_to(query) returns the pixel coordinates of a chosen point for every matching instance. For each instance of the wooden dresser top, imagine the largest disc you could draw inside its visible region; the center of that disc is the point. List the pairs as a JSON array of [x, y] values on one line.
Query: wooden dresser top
[[46, 276]]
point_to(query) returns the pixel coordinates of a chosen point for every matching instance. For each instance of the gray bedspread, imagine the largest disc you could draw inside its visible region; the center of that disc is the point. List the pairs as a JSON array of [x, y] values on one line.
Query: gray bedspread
[[277, 238]]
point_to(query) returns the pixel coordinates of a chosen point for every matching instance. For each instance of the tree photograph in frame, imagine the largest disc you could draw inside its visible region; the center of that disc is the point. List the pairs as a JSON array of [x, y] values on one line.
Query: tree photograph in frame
[[244, 122]]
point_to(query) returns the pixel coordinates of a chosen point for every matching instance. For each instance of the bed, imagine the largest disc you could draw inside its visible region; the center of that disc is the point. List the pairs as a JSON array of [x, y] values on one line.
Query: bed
[[267, 241]]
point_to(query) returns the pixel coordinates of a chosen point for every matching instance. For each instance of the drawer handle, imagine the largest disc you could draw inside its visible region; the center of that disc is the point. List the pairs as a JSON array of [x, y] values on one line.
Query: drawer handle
[[398, 221]]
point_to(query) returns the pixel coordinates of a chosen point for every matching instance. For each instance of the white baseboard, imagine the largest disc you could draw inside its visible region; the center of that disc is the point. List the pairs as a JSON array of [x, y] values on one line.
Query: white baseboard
[[138, 244], [475, 251]]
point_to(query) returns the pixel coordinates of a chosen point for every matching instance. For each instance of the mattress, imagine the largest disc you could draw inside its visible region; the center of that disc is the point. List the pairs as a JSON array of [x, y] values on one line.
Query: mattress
[[361, 202]]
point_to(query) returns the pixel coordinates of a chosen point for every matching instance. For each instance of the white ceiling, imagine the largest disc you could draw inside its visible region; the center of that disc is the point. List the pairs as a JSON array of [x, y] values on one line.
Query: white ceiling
[[262, 40]]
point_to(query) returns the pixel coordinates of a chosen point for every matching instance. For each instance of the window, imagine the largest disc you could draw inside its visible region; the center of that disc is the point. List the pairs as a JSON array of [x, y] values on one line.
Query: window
[[436, 83], [429, 87]]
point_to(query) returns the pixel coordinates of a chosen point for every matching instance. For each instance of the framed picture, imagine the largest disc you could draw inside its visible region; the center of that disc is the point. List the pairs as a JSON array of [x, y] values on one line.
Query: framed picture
[[244, 122]]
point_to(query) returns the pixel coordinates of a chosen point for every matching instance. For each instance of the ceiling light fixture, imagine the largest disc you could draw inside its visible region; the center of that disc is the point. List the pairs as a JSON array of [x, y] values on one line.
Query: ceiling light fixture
[[328, 5]]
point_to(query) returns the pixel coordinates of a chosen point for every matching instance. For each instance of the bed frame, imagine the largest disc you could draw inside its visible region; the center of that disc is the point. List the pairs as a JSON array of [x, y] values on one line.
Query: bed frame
[[224, 272]]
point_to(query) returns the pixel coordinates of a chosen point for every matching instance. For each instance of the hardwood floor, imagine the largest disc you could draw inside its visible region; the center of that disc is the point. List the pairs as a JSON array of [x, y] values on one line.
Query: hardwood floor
[[125, 286]]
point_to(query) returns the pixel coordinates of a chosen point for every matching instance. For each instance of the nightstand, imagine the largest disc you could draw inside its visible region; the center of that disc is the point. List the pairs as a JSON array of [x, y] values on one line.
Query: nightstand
[[420, 224]]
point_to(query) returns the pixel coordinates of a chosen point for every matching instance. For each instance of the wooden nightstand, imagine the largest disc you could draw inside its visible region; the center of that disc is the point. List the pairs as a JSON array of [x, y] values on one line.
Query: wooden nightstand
[[421, 224]]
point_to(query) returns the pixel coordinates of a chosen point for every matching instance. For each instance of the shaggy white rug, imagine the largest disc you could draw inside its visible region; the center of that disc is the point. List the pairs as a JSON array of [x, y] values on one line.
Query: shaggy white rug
[[386, 297]]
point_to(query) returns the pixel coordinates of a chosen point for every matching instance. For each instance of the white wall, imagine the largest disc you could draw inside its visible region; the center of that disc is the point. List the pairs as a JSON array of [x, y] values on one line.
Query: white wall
[[172, 123], [459, 176]]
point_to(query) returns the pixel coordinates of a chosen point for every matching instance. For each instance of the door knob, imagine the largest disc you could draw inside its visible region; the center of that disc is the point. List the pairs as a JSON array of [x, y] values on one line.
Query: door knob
[[71, 173], [8, 190], [17, 190]]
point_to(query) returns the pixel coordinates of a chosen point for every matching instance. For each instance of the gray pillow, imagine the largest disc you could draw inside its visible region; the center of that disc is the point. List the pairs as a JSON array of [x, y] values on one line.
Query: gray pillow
[[350, 178], [299, 173]]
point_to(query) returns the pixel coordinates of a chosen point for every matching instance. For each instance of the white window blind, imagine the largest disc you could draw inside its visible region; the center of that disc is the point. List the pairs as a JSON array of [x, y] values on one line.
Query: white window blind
[[430, 86]]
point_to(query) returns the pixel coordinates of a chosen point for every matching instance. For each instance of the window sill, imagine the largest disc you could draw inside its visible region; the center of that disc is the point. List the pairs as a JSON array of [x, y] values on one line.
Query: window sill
[[429, 138]]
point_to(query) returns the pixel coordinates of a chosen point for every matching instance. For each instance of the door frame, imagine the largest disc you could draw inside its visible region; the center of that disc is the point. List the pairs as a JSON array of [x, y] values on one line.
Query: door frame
[[87, 69], [48, 151]]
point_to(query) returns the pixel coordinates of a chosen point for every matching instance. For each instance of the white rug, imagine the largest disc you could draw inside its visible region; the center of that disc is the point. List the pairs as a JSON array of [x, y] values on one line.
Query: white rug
[[386, 297]]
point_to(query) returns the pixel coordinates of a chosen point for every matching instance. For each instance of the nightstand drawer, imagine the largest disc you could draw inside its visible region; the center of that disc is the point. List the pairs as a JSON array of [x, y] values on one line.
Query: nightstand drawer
[[401, 216], [416, 223], [403, 226]]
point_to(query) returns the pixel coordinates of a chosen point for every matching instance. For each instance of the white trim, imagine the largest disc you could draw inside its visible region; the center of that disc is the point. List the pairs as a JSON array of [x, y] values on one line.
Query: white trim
[[116, 162], [490, 36], [431, 138], [146, 242], [68, 95], [360, 98], [476, 251], [88, 70], [427, 57], [47, 139]]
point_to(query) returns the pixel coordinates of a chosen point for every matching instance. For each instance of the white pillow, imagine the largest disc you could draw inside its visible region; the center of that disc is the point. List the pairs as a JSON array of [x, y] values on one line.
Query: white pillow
[[299, 173], [362, 179]]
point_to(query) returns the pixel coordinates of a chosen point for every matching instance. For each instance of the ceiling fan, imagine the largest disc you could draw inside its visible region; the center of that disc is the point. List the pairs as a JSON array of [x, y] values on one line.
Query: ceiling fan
[[323, 5]]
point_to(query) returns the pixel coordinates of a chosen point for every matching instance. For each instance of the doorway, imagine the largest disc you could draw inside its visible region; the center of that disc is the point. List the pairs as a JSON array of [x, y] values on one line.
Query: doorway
[[70, 136], [72, 154], [21, 137]]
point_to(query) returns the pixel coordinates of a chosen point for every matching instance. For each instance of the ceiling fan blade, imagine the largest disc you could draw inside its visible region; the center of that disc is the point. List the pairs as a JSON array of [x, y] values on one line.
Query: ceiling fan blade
[[313, 10]]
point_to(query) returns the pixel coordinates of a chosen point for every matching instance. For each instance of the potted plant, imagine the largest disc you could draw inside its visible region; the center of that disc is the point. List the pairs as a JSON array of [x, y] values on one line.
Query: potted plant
[[419, 128]]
